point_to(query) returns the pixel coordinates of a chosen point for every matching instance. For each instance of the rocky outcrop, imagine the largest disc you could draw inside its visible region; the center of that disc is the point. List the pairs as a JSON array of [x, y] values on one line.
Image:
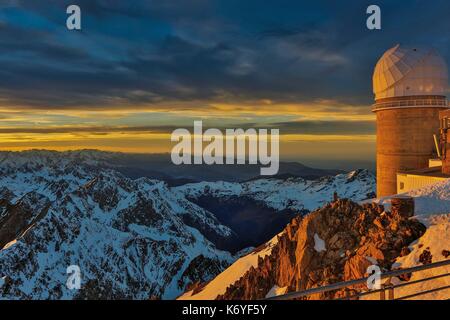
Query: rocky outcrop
[[200, 270], [17, 218], [256, 210], [335, 243]]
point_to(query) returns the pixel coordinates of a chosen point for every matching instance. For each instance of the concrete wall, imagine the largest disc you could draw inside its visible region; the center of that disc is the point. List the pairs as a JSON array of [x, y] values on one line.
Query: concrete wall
[[444, 116], [408, 182], [404, 142]]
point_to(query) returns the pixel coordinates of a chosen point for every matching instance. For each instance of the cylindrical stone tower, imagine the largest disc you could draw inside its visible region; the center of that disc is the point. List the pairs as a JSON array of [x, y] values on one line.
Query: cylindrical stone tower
[[410, 85]]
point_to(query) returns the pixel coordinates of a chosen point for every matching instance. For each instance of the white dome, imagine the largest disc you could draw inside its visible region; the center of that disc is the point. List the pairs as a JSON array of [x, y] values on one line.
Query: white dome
[[410, 72]]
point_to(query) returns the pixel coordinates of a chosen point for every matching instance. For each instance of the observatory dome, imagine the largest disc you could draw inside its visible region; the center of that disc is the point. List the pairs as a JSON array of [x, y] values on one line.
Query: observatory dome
[[405, 71]]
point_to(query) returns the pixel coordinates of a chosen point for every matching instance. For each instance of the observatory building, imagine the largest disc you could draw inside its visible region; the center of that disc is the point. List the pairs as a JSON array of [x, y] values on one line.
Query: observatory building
[[410, 87]]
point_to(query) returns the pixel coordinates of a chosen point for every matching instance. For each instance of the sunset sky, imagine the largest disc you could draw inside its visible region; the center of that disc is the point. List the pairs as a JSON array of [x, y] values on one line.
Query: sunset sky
[[140, 69]]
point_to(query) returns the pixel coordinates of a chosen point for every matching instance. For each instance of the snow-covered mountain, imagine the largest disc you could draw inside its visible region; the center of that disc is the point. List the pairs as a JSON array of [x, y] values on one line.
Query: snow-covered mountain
[[258, 209], [128, 237], [132, 238], [293, 193], [160, 166]]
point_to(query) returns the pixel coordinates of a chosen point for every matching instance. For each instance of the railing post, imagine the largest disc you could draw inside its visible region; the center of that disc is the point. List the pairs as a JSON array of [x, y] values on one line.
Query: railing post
[[390, 289], [382, 294], [391, 293]]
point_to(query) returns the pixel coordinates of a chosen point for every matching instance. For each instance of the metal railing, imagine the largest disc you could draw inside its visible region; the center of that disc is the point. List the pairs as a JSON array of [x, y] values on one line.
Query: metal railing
[[389, 288], [410, 103]]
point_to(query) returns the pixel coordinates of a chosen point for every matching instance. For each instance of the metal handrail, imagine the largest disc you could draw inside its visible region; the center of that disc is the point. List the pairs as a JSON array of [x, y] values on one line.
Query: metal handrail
[[390, 287], [345, 284], [409, 103], [422, 293]]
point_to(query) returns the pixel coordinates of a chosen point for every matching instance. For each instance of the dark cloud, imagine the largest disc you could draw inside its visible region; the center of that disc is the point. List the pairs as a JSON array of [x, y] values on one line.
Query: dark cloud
[[327, 127], [297, 127], [148, 52], [88, 129]]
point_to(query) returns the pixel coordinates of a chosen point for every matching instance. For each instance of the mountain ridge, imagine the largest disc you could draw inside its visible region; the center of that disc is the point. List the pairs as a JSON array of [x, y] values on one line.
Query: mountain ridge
[[159, 166]]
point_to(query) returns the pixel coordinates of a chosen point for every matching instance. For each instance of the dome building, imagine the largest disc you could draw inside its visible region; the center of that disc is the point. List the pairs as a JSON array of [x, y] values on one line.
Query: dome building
[[410, 87]]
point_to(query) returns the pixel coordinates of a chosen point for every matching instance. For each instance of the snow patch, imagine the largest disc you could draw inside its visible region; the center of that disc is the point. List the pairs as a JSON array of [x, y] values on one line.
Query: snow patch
[[276, 291], [319, 244], [10, 244], [429, 200], [372, 260]]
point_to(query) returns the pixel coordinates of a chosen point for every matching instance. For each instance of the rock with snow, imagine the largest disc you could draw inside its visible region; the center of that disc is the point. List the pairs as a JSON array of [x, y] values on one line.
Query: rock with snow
[[432, 208], [329, 245], [229, 276], [319, 244], [258, 209], [435, 241]]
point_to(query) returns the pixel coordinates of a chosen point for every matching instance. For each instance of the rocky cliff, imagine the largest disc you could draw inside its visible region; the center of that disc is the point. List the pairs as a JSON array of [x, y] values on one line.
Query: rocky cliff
[[335, 243]]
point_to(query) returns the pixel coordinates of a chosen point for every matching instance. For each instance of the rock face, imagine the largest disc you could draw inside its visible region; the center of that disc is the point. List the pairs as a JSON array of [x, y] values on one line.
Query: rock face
[[257, 210], [335, 243], [16, 218], [200, 270]]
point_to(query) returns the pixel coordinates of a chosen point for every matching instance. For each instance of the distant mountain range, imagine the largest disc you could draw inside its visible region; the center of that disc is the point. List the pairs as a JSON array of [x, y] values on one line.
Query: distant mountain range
[[159, 166], [133, 236]]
